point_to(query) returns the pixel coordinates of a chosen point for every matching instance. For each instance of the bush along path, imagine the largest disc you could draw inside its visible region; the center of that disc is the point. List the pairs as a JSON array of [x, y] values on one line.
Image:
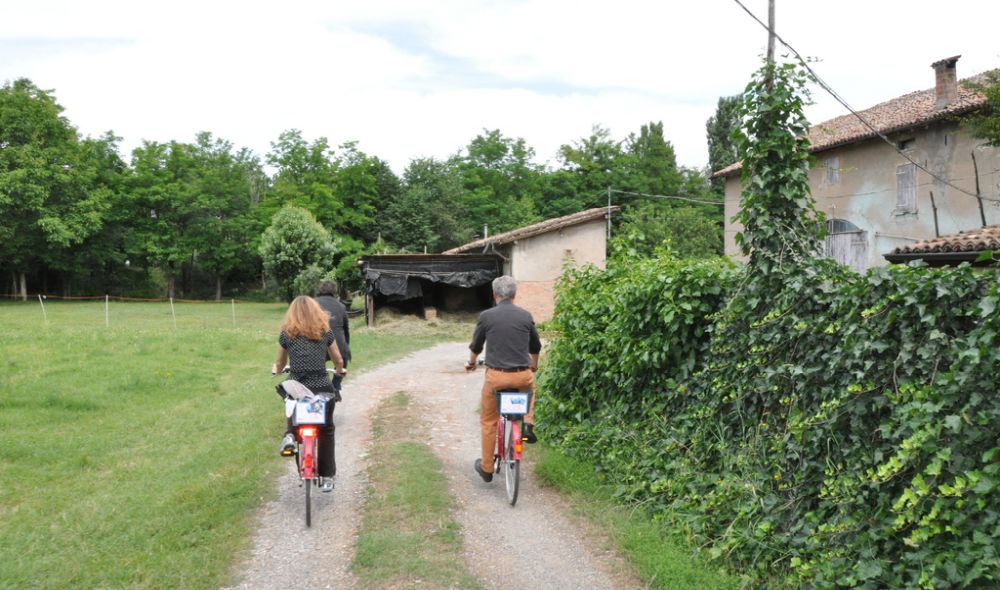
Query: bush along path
[[811, 427], [533, 545]]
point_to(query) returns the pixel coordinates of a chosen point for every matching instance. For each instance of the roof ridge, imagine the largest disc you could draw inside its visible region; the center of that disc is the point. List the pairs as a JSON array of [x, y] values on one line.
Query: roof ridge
[[889, 116]]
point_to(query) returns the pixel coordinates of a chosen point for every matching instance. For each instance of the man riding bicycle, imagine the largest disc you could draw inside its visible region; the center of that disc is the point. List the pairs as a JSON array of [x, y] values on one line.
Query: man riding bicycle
[[512, 349]]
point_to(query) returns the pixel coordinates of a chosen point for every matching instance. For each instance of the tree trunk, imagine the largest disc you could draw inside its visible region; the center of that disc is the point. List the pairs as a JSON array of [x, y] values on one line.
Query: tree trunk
[[13, 284], [218, 287], [24, 287], [170, 286]]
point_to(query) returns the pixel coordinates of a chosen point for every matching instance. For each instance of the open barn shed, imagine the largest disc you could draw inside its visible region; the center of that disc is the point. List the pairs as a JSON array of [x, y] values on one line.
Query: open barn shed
[[424, 284]]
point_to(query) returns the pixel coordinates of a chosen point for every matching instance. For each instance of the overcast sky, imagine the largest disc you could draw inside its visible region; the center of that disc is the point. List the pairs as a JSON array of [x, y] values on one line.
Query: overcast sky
[[417, 78]]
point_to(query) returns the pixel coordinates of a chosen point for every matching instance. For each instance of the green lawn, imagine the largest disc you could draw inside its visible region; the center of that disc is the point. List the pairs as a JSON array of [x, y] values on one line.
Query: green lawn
[[135, 454]]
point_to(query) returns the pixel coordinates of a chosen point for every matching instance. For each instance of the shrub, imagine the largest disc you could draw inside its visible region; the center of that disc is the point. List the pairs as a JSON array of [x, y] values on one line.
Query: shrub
[[842, 433]]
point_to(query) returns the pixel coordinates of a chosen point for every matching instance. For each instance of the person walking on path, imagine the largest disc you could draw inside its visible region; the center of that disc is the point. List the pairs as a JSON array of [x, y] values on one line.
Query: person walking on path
[[512, 348], [326, 296]]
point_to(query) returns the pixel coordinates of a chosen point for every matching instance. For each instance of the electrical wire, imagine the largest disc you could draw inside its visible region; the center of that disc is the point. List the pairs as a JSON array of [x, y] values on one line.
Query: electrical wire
[[838, 98], [635, 194]]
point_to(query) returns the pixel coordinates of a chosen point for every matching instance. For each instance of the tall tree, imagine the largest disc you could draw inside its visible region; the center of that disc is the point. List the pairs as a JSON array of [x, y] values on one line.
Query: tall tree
[[651, 162], [305, 177], [340, 188], [985, 123], [48, 202], [163, 198], [99, 262], [430, 210], [501, 182], [596, 163], [719, 130], [224, 230], [357, 186]]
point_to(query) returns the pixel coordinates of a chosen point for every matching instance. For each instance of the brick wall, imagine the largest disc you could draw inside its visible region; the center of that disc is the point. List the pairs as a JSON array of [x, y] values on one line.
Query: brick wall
[[538, 297]]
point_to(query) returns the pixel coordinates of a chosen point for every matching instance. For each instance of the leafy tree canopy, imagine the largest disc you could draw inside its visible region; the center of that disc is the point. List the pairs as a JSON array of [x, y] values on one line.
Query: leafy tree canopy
[[292, 244], [985, 123]]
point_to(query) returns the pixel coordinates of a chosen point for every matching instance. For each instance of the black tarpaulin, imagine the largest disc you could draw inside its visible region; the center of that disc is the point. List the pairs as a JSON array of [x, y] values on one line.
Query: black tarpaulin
[[402, 276]]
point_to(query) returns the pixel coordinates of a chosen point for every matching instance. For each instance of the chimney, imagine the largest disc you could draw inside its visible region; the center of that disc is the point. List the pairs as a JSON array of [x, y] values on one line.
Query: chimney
[[945, 81]]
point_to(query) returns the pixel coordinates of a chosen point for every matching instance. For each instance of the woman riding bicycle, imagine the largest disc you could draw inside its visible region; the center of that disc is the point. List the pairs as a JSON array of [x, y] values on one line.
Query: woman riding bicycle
[[305, 341]]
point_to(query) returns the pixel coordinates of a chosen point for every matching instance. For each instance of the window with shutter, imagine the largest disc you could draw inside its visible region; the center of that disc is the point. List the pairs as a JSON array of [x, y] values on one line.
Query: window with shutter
[[832, 166], [906, 188]]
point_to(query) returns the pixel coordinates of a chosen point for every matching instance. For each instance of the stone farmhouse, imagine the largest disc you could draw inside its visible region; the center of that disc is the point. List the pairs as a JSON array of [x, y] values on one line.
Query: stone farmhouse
[[876, 200]]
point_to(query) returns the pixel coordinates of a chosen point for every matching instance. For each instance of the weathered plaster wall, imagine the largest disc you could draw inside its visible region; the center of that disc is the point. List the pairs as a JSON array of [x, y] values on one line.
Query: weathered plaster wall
[[540, 258], [858, 183], [537, 262]]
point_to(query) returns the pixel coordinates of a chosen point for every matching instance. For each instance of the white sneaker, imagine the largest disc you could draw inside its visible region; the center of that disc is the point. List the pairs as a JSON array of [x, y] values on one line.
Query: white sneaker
[[326, 484], [288, 445]]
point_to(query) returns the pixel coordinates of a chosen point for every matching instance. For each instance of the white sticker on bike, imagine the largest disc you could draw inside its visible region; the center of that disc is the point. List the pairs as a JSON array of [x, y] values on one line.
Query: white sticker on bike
[[513, 403], [310, 412]]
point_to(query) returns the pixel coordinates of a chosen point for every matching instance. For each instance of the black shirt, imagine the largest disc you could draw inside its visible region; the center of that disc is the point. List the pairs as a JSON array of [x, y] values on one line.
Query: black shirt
[[338, 324], [509, 334], [307, 360]]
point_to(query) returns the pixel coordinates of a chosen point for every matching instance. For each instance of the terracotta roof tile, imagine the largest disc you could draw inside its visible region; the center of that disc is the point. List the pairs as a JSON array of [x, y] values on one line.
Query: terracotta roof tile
[[909, 110], [534, 230], [973, 240]]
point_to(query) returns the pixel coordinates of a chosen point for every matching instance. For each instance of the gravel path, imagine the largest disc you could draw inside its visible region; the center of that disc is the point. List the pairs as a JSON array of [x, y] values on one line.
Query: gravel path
[[540, 546]]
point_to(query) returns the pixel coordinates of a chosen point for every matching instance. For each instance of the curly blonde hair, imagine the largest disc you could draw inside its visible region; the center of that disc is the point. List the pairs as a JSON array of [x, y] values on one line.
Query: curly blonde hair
[[305, 318]]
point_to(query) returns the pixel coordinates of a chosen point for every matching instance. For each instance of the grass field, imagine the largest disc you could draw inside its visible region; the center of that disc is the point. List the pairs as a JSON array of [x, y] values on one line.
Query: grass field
[[135, 447]]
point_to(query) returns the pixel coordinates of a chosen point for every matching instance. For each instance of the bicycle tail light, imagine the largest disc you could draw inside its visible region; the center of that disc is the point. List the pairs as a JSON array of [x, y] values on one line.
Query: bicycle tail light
[[308, 431]]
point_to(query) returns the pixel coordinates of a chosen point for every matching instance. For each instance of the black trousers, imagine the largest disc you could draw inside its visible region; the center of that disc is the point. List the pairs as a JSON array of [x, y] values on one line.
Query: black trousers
[[327, 441]]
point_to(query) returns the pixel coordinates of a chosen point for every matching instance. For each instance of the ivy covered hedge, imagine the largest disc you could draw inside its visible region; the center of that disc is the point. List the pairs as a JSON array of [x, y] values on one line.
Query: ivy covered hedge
[[831, 431]]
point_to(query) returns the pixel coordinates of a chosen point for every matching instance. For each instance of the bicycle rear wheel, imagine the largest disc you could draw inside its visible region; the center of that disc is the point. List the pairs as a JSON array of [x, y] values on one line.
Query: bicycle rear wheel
[[309, 485], [510, 465]]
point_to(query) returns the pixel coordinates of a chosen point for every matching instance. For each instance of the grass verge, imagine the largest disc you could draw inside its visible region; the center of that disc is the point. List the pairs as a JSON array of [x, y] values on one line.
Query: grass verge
[[646, 543], [408, 537], [135, 448]]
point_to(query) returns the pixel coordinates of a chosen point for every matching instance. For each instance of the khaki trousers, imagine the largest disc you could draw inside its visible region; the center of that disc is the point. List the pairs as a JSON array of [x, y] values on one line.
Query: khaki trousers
[[488, 415]]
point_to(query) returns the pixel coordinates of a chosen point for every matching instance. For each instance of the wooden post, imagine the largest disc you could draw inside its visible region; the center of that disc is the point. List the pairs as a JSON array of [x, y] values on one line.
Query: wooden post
[[44, 315], [979, 196], [937, 234], [369, 310]]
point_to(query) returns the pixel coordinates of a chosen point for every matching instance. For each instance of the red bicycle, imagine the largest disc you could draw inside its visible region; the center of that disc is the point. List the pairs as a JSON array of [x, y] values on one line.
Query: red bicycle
[[308, 413], [512, 405]]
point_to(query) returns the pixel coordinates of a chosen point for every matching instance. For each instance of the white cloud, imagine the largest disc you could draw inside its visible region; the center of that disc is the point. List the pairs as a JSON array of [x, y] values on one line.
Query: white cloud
[[421, 78]]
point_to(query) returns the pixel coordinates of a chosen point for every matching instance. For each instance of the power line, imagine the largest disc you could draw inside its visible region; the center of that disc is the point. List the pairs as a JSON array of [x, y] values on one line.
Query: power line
[[636, 194], [864, 121]]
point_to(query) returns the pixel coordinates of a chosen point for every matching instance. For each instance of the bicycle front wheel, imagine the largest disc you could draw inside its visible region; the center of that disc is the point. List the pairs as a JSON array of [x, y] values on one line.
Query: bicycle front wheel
[[510, 465]]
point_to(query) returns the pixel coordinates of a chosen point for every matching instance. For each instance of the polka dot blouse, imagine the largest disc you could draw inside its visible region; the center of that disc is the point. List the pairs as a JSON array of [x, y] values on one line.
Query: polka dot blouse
[[307, 359]]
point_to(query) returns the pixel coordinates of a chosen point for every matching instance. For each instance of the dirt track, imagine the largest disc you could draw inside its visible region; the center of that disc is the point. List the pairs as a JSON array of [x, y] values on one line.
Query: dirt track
[[540, 546]]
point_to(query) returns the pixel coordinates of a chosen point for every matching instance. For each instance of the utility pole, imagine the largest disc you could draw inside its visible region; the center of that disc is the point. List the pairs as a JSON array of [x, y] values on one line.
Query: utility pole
[[770, 31]]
